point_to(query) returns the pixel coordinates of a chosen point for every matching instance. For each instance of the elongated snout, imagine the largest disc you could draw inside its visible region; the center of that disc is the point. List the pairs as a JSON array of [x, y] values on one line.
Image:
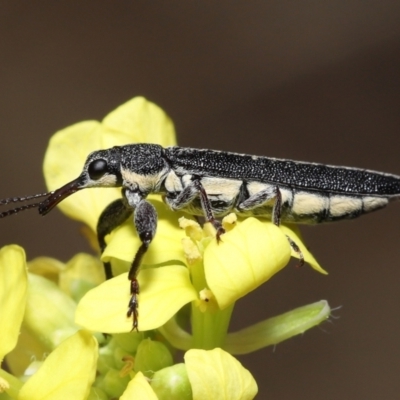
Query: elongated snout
[[59, 195]]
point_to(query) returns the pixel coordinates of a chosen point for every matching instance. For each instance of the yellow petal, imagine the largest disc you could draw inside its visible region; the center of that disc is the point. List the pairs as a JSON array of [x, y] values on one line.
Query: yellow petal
[[163, 291], [13, 294], [83, 272], [294, 233], [49, 312], [29, 347], [136, 120], [246, 257], [48, 320], [47, 267], [64, 160], [67, 373], [166, 246], [215, 374], [144, 121], [139, 388]]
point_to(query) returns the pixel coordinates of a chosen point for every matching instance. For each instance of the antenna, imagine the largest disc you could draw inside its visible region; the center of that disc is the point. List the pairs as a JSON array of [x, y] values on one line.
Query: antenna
[[22, 199]]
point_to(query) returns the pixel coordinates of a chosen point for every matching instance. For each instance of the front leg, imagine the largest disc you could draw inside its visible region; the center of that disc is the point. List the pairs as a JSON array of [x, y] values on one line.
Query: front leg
[[188, 194], [145, 220], [114, 215]]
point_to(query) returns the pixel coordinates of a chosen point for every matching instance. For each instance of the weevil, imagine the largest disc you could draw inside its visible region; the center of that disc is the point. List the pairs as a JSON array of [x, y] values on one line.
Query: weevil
[[210, 184]]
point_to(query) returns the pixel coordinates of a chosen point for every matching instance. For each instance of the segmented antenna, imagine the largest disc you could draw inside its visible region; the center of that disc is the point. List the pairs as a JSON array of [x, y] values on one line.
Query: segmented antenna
[[16, 210]]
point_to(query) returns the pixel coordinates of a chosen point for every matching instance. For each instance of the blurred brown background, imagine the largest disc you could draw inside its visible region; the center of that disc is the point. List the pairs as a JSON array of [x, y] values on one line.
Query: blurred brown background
[[315, 81]]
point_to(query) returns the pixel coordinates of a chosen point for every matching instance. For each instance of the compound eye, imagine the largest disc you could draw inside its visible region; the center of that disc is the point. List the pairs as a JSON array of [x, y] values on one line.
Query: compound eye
[[97, 169]]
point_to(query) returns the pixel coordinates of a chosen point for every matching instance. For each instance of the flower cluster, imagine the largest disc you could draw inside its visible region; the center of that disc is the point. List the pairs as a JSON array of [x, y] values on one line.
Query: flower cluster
[[189, 282]]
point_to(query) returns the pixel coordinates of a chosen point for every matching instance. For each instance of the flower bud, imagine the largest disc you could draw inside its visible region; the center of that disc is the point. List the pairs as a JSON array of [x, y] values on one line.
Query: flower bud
[[152, 356], [113, 384], [129, 341], [172, 383], [97, 394]]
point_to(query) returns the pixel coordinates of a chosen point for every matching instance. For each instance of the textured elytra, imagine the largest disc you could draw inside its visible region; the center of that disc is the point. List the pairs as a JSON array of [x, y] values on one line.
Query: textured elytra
[[296, 174]]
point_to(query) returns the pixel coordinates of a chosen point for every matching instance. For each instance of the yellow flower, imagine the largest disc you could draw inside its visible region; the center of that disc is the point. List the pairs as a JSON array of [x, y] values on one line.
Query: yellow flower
[[184, 265], [43, 314], [50, 311], [246, 257]]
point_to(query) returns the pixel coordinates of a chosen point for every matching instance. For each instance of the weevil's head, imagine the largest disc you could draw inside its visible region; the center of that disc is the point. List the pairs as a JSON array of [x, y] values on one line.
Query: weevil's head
[[113, 167], [101, 169]]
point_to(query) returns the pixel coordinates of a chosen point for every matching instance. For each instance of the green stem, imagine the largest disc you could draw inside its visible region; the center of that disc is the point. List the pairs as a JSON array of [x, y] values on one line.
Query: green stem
[[209, 327]]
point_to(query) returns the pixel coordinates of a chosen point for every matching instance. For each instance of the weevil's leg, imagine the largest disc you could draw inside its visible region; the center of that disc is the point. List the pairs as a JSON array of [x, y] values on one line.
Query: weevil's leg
[[263, 197], [277, 208], [276, 219], [184, 198], [208, 213], [297, 250], [113, 216], [188, 194], [145, 220]]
